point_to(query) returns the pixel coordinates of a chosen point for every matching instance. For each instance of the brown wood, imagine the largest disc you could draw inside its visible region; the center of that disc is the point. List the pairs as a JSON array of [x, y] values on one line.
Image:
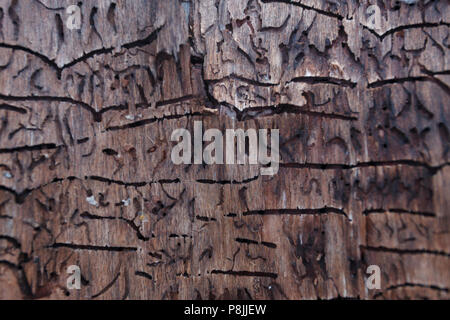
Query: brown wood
[[364, 120]]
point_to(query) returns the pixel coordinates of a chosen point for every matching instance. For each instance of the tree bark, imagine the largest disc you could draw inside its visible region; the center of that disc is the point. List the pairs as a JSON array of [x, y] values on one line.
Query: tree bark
[[86, 176]]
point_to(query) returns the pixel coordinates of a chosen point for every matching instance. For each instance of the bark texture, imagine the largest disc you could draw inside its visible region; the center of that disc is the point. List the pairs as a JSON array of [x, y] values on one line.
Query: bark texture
[[85, 123]]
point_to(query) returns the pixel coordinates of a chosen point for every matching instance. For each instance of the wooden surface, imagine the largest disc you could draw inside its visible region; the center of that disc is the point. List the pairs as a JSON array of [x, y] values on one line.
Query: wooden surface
[[364, 124]]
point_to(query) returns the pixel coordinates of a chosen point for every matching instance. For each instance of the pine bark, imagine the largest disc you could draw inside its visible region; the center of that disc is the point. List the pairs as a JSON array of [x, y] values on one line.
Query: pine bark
[[86, 118]]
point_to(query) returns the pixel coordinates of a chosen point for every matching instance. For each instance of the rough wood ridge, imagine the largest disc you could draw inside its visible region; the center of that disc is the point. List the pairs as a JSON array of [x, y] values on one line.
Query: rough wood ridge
[[85, 123]]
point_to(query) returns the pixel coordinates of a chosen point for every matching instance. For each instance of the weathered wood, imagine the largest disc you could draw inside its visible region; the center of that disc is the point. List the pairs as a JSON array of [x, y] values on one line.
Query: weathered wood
[[86, 118]]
